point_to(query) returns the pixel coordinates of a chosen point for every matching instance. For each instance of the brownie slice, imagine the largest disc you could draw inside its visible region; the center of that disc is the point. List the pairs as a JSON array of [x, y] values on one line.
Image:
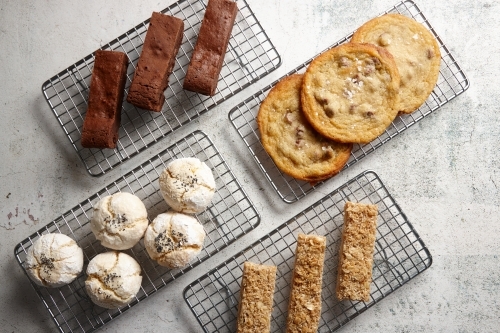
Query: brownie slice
[[102, 120], [208, 55], [157, 60]]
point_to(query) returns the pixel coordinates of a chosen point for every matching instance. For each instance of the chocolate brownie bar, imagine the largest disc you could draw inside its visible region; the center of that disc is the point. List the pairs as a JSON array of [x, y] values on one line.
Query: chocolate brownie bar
[[102, 120], [156, 62], [208, 54]]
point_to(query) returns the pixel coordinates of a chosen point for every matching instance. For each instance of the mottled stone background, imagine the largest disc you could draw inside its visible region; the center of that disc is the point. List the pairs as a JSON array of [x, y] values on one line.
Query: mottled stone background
[[444, 172]]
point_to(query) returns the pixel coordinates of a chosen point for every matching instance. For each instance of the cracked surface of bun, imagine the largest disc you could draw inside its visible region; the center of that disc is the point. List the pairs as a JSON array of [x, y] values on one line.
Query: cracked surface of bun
[[54, 260], [113, 279], [187, 185], [119, 220], [174, 239]]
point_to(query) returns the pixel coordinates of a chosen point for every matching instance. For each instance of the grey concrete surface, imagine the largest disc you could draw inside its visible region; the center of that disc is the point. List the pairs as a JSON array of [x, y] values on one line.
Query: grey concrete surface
[[444, 172]]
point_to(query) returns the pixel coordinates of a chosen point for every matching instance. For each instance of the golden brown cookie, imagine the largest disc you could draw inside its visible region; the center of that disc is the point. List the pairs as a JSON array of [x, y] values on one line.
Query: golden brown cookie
[[415, 51], [292, 143], [350, 92]]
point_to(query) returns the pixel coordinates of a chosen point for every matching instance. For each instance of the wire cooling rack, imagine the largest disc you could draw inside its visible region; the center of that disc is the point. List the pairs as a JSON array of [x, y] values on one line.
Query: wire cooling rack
[[249, 57], [230, 216], [451, 83], [399, 256]]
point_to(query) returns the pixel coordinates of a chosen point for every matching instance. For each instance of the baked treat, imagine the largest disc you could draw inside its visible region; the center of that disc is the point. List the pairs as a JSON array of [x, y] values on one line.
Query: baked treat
[[415, 51], [187, 185], [356, 252], [208, 55], [54, 260], [119, 220], [174, 239], [350, 92], [256, 298], [304, 307], [156, 62], [295, 147], [102, 119], [113, 279]]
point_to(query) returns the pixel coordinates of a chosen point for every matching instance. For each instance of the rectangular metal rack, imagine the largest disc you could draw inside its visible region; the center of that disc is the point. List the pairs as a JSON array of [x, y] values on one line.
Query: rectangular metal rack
[[249, 57], [451, 83], [230, 216], [400, 255]]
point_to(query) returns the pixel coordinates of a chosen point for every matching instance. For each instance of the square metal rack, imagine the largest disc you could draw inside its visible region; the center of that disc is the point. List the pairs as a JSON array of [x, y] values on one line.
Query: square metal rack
[[249, 57], [399, 256], [451, 83], [230, 216]]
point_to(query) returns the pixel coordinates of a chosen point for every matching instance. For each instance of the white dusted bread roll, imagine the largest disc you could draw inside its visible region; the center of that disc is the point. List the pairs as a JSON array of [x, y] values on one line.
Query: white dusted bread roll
[[119, 220], [174, 239], [54, 260], [113, 279], [187, 185]]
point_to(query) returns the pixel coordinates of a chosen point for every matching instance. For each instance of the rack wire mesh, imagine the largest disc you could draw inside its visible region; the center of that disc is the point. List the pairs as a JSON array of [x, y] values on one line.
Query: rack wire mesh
[[249, 57], [399, 256], [230, 216], [451, 83]]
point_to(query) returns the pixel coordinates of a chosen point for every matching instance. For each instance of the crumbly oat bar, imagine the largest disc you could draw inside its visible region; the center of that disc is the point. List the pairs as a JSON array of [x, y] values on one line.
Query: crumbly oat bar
[[304, 307], [256, 298], [356, 252]]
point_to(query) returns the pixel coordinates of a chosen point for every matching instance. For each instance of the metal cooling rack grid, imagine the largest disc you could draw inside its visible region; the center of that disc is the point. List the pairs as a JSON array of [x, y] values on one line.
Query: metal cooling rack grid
[[249, 57], [400, 255], [230, 216], [451, 83]]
